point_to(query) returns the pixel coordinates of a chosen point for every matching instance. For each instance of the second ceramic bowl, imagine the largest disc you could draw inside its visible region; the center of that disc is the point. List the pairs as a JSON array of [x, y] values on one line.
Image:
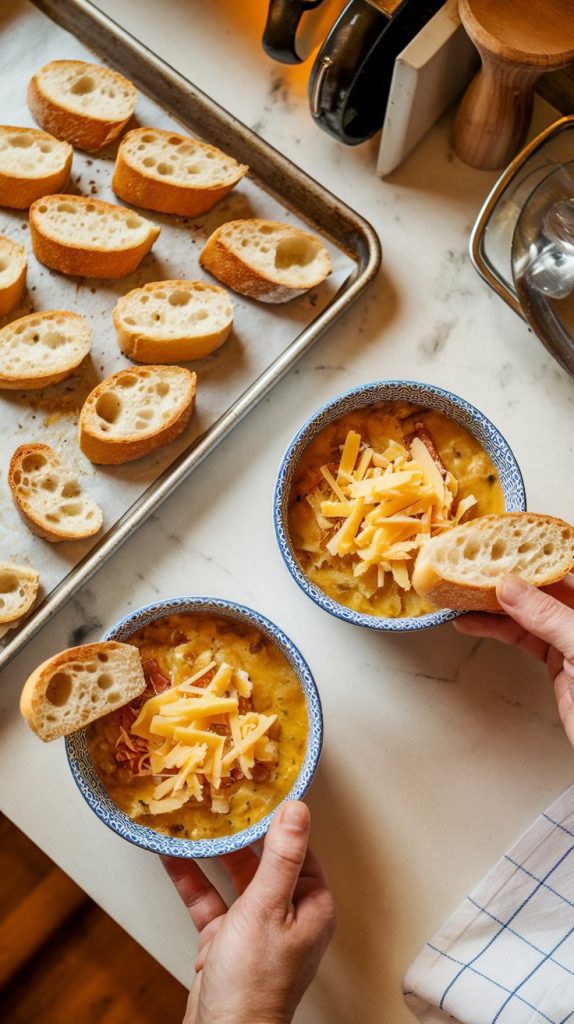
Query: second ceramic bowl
[[375, 393], [92, 787]]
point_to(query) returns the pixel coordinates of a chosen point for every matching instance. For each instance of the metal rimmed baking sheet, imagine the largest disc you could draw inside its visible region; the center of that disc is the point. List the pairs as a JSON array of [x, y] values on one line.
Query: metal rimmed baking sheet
[[266, 341]]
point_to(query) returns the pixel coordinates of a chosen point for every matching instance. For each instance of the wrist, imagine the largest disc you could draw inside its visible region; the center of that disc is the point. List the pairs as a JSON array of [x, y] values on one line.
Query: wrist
[[252, 1020], [268, 1020], [281, 1019], [245, 1020]]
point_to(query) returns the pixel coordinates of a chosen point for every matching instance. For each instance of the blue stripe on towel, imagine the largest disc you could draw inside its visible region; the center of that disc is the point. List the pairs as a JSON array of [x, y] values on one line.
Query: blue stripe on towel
[[504, 926]]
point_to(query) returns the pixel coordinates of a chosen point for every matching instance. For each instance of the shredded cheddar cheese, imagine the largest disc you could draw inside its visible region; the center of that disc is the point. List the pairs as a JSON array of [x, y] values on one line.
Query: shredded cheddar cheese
[[196, 736], [385, 505]]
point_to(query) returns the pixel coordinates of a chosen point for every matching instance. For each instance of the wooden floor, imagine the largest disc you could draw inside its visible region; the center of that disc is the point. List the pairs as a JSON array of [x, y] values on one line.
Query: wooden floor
[[62, 959]]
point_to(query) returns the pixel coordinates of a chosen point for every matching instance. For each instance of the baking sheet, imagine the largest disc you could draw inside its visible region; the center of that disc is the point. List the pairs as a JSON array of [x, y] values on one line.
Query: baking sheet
[[29, 39]]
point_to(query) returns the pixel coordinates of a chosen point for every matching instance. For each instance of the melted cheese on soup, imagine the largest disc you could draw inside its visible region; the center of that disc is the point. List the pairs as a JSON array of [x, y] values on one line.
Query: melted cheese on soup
[[369, 491], [219, 736]]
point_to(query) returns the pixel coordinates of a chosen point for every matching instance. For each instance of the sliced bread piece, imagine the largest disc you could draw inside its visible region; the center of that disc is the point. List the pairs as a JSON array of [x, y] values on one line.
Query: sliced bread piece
[[172, 321], [13, 265], [173, 173], [265, 260], [72, 689], [42, 348], [32, 164], [49, 497], [18, 590], [89, 238], [459, 569], [85, 104], [134, 412]]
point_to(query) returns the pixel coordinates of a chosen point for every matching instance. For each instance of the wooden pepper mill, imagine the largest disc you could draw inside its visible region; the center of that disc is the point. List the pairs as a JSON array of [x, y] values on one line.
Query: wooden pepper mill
[[518, 40]]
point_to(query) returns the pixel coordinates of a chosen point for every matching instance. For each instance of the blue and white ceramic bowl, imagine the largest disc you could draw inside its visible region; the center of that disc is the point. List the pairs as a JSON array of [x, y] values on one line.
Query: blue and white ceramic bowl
[[93, 790], [378, 391]]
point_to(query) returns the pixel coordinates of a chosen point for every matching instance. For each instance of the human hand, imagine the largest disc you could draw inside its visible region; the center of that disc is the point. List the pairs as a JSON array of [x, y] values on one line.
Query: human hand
[[257, 957], [540, 622]]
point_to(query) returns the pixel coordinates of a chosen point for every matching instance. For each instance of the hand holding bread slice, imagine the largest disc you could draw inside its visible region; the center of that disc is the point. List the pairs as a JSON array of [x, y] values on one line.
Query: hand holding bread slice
[[172, 321], [173, 173], [459, 569], [13, 265], [86, 104], [32, 164], [75, 687], [136, 411], [18, 590], [89, 238], [49, 497], [265, 260], [42, 348]]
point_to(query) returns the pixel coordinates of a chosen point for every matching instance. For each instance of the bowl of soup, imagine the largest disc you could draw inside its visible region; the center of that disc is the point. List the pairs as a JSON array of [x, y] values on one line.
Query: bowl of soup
[[228, 727], [368, 479]]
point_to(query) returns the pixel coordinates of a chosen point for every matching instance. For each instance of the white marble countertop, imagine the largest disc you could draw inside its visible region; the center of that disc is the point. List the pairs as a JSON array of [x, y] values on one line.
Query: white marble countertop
[[449, 747]]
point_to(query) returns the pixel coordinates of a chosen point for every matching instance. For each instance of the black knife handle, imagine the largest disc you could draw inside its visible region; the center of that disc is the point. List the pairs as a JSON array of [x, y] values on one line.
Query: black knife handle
[[280, 32], [351, 77]]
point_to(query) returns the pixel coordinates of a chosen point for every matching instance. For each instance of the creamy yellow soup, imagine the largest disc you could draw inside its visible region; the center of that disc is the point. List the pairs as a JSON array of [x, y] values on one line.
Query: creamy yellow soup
[[458, 452], [173, 646]]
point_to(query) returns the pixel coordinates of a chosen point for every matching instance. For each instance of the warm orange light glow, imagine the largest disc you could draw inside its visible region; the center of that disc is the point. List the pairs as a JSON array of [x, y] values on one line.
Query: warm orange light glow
[[247, 20]]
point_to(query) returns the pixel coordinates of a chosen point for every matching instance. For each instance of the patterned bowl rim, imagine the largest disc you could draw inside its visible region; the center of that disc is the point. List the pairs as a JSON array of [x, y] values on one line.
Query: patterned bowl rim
[[461, 411], [99, 800]]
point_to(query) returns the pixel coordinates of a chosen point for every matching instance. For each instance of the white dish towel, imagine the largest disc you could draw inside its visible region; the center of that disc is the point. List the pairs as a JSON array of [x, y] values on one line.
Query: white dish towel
[[506, 956]]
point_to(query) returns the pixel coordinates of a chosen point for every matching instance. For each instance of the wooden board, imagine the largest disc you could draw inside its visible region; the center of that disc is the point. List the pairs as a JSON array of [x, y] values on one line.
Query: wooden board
[[87, 968]]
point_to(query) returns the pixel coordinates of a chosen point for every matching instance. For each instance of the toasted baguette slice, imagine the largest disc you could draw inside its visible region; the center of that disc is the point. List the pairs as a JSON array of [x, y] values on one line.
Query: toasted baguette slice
[[460, 569], [18, 590], [13, 264], [173, 173], [134, 412], [85, 104], [32, 164], [172, 321], [72, 689], [49, 497], [89, 238], [42, 348], [265, 260]]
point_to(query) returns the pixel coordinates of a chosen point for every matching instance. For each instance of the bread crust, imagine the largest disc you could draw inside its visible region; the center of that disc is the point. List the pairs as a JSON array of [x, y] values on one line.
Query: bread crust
[[115, 451], [82, 131], [221, 261], [32, 583], [218, 260], [33, 698], [445, 592], [18, 191], [11, 293], [33, 521], [458, 597], [81, 261], [146, 349], [140, 189], [37, 381]]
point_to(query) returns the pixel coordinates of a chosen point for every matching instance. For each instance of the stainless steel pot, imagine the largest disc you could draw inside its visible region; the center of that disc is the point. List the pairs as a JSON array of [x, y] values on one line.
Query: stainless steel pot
[[520, 244]]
